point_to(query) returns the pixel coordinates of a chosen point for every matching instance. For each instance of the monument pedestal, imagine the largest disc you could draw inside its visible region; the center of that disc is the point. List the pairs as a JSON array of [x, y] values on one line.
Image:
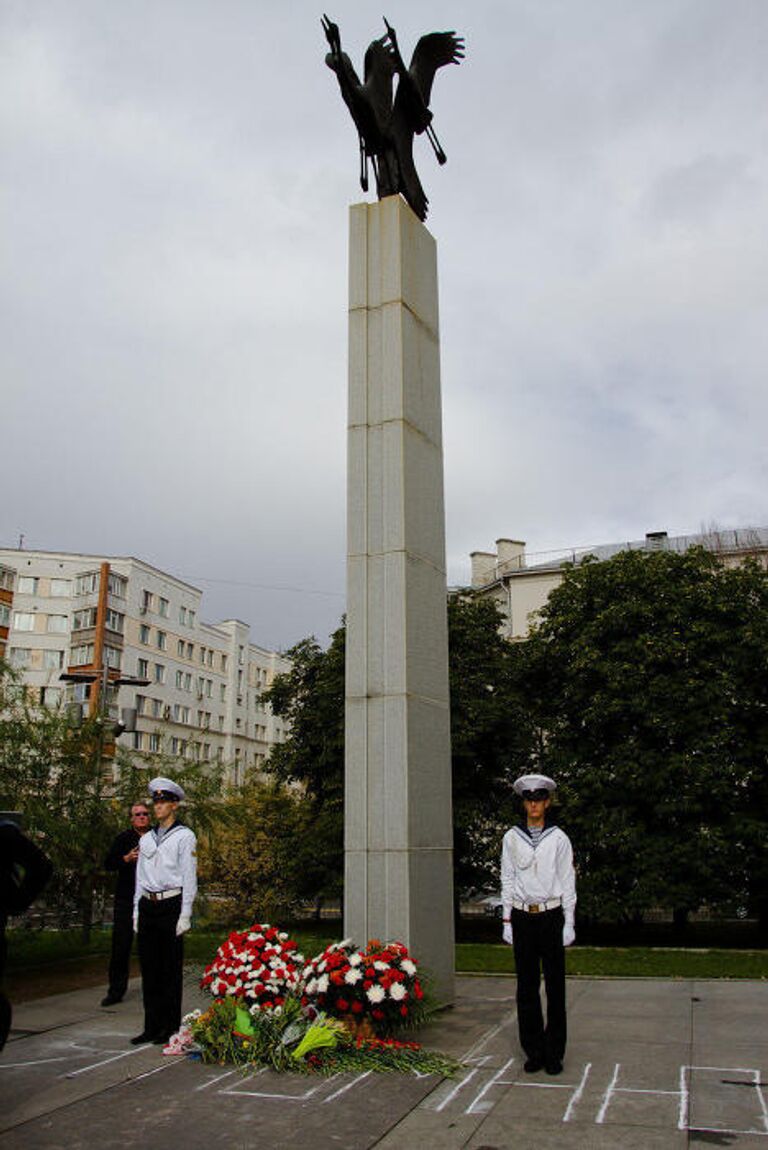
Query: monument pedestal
[[398, 822]]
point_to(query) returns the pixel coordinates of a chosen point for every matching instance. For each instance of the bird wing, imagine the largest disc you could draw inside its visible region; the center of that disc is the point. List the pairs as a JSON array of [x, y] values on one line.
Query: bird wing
[[433, 52]]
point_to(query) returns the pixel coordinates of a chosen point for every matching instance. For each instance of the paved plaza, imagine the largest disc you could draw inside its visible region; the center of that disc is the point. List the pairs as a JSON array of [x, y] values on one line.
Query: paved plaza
[[651, 1064]]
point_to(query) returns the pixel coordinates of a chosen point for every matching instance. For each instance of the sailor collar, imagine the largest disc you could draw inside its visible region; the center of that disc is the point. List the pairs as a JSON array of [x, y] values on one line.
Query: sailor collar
[[522, 830]]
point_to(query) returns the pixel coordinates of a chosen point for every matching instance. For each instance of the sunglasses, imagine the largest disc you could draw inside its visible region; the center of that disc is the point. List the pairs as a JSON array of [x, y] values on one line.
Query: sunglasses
[[536, 796]]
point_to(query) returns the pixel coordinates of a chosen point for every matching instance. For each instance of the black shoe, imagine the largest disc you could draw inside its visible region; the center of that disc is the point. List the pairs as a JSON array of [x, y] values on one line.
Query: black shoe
[[161, 1039], [142, 1038], [111, 999], [532, 1065], [553, 1066]]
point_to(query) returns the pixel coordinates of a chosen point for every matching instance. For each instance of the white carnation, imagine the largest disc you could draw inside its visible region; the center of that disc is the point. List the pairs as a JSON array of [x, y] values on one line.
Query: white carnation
[[407, 966], [322, 984], [376, 994], [397, 991], [352, 976], [355, 959], [381, 965]]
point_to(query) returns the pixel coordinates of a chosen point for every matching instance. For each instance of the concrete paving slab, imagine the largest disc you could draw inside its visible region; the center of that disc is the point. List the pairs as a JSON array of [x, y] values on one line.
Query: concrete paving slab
[[690, 1073]]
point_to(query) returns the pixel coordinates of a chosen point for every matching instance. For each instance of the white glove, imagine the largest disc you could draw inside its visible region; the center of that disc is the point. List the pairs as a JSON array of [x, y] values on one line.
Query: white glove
[[136, 921], [569, 934], [183, 924], [506, 934]]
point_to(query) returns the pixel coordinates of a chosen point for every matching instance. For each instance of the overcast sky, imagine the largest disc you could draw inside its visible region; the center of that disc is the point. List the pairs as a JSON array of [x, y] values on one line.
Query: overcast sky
[[174, 200]]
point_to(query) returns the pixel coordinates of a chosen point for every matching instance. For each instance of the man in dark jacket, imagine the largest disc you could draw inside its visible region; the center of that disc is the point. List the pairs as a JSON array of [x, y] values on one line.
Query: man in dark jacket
[[122, 858], [24, 871]]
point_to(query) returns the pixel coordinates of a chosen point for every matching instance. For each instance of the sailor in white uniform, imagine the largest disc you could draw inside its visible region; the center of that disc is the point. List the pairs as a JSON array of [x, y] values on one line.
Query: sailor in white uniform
[[166, 885], [538, 893]]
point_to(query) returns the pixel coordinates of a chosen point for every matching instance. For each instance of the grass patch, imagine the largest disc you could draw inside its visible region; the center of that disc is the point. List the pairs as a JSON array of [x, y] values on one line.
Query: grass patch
[[624, 962], [31, 952]]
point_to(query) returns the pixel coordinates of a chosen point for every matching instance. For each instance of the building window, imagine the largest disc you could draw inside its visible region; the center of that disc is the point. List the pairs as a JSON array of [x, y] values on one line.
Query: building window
[[115, 621], [162, 607], [82, 620], [112, 657], [183, 615], [23, 621], [53, 660], [210, 658], [50, 696], [180, 648], [80, 656], [86, 584], [6, 578], [174, 745], [190, 650], [188, 681], [5, 615], [146, 601], [58, 624], [61, 588], [142, 668], [27, 585], [118, 585], [202, 654], [143, 634], [157, 708], [162, 640], [190, 618], [138, 740], [141, 704], [154, 741], [241, 655], [223, 692], [208, 688], [223, 662], [21, 656], [179, 680], [159, 673]]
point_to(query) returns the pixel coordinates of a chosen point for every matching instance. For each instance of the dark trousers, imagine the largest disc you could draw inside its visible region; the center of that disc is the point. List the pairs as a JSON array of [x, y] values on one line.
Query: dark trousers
[[122, 940], [538, 943], [161, 955]]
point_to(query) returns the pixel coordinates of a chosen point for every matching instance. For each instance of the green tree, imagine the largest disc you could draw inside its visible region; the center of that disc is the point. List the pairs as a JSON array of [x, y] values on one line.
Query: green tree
[[55, 774], [311, 698], [648, 672], [491, 736], [263, 862]]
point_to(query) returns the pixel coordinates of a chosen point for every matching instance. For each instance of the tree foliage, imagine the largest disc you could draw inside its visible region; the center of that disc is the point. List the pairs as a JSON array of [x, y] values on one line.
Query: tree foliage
[[310, 697], [490, 733], [648, 672], [72, 802]]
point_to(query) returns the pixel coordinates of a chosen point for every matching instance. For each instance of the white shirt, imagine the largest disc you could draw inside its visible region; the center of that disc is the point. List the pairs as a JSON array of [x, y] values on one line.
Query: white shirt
[[169, 863], [535, 874]]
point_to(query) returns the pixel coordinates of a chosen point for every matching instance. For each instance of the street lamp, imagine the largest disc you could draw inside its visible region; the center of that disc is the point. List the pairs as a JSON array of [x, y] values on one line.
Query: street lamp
[[128, 722]]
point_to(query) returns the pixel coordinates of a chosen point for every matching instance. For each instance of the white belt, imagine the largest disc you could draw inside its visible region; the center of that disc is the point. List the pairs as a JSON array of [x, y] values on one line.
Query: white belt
[[159, 895], [536, 907]]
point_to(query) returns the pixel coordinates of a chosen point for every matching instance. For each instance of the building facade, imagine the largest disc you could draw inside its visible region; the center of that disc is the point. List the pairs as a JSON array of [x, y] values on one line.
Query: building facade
[[521, 587], [112, 618]]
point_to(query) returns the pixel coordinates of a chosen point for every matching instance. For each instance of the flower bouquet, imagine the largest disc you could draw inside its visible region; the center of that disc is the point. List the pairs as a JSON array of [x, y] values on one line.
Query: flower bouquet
[[379, 986], [260, 967]]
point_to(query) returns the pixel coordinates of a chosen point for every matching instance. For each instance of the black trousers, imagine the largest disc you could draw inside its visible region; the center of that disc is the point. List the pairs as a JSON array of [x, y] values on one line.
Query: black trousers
[[122, 940], [538, 943], [161, 955]]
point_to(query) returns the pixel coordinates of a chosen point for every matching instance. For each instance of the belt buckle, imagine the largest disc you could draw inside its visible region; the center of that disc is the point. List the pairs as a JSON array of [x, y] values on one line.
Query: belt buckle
[[534, 907]]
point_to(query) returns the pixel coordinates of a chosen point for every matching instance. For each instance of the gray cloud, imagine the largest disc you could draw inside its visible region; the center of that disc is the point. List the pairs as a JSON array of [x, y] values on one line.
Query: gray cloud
[[173, 284]]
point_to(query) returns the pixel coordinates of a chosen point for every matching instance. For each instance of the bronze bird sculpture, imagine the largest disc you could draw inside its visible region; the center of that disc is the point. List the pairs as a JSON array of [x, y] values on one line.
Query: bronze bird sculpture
[[386, 125]]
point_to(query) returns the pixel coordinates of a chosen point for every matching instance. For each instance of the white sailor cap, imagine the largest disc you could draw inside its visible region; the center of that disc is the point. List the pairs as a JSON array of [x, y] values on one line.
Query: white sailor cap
[[161, 788], [533, 783]]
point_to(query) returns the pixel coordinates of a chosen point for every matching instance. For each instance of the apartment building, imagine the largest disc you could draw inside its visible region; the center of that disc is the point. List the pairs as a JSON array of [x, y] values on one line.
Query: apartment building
[[110, 619], [521, 583]]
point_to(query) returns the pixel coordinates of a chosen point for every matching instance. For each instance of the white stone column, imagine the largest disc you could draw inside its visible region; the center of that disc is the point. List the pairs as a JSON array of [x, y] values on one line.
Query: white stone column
[[398, 821]]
